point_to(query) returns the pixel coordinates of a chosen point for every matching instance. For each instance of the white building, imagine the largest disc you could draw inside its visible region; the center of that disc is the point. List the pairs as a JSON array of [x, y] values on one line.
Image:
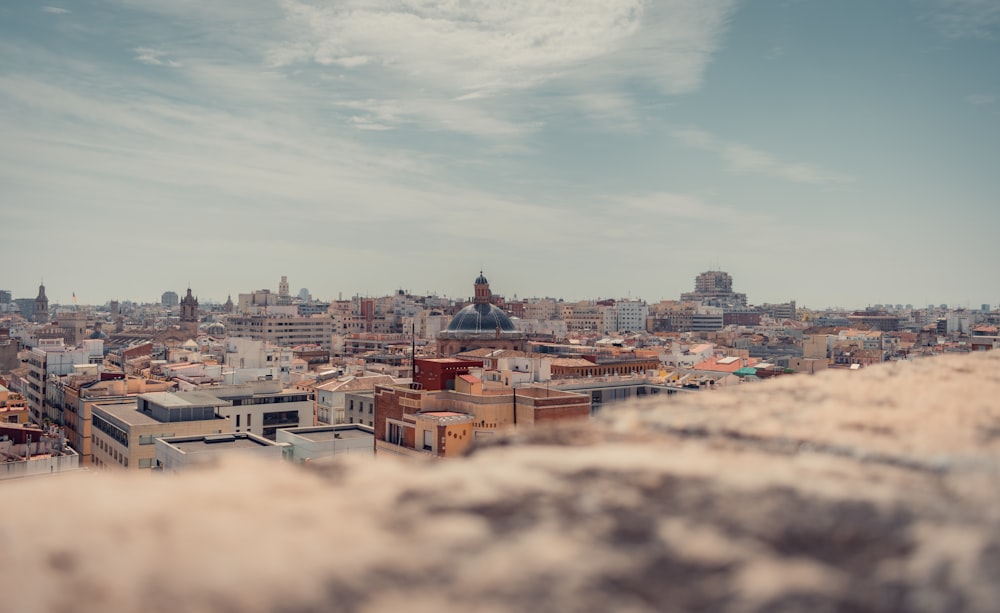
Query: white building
[[330, 396], [308, 444], [250, 359], [631, 315], [555, 327], [26, 452], [179, 453], [262, 407], [52, 357]]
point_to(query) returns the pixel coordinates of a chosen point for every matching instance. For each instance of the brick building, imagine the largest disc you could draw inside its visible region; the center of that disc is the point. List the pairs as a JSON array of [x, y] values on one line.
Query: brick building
[[444, 423]]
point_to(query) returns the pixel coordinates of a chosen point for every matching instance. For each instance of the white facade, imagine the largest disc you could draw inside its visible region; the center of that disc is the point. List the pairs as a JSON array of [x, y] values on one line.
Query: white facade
[[262, 408], [631, 315], [51, 357], [181, 453], [45, 465], [556, 327], [307, 444]]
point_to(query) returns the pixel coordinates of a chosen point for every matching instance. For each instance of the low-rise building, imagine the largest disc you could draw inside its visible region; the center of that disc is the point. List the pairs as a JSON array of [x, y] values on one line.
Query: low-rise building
[[359, 407], [444, 423], [308, 444], [13, 407], [179, 453], [330, 396], [124, 431], [27, 451]]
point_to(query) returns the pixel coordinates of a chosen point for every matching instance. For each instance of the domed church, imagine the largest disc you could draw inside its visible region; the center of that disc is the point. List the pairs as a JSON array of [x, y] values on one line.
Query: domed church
[[481, 324]]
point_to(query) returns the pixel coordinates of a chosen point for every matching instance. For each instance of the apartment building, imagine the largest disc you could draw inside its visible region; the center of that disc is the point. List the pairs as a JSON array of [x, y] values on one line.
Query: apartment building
[[589, 317], [285, 330], [52, 357]]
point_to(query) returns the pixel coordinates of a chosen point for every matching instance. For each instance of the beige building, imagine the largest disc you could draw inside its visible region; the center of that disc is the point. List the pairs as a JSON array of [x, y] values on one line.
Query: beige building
[[588, 317], [13, 407], [542, 309], [817, 346], [286, 331], [81, 393], [124, 431]]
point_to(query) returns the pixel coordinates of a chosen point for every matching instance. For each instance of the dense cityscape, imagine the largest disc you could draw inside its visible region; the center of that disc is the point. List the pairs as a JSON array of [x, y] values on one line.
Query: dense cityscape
[[623, 306], [161, 386]]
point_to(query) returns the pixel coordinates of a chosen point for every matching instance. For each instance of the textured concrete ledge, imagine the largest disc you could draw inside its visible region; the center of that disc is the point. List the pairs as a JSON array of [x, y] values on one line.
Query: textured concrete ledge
[[869, 491]]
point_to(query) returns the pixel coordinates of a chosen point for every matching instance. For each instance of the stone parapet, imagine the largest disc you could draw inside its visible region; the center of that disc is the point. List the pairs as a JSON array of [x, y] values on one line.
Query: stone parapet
[[876, 490]]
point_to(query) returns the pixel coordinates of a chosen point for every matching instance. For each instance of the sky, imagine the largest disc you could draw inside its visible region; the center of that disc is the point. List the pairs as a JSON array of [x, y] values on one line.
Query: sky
[[834, 153]]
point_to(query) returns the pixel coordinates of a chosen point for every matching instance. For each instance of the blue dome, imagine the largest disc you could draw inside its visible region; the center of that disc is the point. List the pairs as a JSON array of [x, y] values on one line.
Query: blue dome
[[481, 318]]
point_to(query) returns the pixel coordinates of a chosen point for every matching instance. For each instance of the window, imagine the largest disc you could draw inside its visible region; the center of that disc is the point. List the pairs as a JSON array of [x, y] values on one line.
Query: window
[[248, 420], [237, 420], [428, 440]]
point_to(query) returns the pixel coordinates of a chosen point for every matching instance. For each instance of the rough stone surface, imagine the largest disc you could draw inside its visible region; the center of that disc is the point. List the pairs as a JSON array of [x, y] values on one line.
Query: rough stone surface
[[870, 491]]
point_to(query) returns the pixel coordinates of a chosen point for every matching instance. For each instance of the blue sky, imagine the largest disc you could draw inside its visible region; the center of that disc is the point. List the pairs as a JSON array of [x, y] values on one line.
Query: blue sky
[[834, 153]]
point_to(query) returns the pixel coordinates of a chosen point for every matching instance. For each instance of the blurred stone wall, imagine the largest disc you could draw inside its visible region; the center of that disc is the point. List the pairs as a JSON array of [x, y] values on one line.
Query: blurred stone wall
[[876, 490]]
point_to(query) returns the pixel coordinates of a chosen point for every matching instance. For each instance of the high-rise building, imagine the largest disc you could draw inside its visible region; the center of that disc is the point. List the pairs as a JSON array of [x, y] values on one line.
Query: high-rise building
[[169, 299]]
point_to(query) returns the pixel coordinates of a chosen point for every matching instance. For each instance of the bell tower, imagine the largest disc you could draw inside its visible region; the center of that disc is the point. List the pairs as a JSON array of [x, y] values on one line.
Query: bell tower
[[483, 294]]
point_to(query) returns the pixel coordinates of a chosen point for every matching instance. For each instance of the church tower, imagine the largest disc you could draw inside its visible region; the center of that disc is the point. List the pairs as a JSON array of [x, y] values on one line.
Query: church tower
[[41, 306], [189, 314], [483, 293]]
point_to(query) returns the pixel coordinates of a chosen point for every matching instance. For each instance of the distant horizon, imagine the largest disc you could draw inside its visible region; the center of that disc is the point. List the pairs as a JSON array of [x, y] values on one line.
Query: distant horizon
[[59, 301]]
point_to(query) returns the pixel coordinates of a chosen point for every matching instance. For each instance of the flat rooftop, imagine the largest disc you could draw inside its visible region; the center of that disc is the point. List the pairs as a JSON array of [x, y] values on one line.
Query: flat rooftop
[[448, 360], [183, 399], [544, 392], [127, 412], [445, 416], [325, 434], [217, 442]]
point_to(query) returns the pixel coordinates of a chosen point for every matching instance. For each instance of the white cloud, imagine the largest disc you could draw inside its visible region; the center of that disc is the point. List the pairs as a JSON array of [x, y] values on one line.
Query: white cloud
[[980, 99], [153, 57], [745, 159], [680, 207], [55, 10], [615, 111], [966, 18], [363, 123], [472, 66]]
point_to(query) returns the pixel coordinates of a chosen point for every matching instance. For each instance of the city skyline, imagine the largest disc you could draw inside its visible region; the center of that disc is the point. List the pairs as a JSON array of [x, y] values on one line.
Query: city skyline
[[833, 154], [212, 299]]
